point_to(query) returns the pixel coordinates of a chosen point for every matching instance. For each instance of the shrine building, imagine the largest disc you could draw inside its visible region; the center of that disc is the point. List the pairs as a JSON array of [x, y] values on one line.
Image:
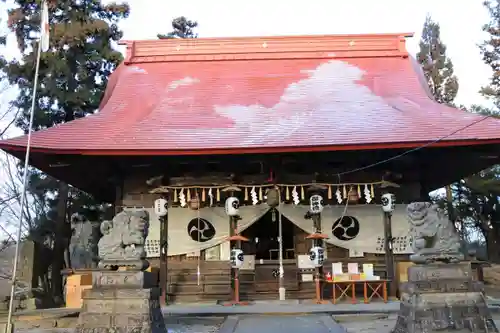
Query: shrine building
[[351, 113]]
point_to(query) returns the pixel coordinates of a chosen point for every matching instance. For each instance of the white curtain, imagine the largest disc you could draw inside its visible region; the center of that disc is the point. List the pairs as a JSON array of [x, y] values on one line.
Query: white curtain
[[362, 229], [187, 234]]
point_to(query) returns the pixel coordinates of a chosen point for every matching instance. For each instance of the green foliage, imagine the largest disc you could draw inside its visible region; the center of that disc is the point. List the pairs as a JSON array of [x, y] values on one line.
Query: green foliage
[[490, 50], [71, 83], [438, 68], [74, 72], [182, 28]]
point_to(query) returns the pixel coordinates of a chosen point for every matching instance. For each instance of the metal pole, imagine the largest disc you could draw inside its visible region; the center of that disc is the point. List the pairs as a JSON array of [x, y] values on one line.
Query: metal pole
[[282, 290], [8, 327]]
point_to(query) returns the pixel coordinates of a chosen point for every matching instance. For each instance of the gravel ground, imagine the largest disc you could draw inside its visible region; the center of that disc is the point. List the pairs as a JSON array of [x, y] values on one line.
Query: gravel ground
[[285, 324], [193, 325], [379, 325]]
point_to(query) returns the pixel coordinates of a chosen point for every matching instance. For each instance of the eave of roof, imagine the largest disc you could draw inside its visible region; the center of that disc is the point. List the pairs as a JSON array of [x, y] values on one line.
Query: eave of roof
[[256, 150]]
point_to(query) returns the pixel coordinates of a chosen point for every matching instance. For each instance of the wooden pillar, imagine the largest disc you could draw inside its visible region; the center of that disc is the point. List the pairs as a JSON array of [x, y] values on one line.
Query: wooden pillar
[[389, 254], [317, 237], [164, 256], [232, 243], [234, 239], [388, 241]]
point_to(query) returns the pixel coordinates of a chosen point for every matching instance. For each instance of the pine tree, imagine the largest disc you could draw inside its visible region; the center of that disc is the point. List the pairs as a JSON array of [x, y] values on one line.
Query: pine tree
[[483, 189], [182, 28], [438, 68], [490, 50], [72, 79], [476, 198], [443, 84]]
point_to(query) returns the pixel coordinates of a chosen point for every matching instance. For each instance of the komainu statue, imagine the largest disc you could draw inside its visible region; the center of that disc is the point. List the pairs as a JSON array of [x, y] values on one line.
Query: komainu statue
[[434, 236], [83, 244], [122, 243]]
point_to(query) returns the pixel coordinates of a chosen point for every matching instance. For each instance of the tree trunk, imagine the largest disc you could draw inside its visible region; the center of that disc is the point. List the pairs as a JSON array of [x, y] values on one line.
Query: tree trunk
[[492, 236], [59, 245]]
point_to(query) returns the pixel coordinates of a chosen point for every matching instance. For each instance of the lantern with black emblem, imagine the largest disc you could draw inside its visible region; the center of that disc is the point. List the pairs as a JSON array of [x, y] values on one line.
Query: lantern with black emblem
[[388, 202], [236, 258], [160, 207], [317, 256], [316, 204], [232, 206]]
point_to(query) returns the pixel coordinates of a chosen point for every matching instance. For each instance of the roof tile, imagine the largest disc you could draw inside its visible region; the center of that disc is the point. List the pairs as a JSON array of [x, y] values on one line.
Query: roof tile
[[160, 100]]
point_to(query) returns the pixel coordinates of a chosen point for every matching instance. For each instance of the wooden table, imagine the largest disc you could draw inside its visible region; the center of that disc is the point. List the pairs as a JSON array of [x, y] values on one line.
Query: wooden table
[[371, 289]]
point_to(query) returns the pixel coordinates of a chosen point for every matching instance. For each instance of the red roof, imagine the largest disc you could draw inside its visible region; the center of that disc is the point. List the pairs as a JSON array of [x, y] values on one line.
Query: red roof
[[264, 94]]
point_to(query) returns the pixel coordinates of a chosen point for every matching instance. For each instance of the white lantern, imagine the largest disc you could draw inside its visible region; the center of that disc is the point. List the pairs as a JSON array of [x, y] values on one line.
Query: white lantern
[[317, 256], [160, 207], [236, 258], [388, 202], [232, 206], [316, 204]]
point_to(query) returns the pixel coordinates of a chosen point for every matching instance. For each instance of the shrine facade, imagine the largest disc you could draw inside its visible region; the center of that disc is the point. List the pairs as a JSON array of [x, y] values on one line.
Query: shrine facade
[[197, 121]]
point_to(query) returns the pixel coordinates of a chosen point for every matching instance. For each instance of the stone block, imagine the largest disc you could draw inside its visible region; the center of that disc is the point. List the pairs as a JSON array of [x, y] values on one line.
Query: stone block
[[126, 279], [434, 272], [119, 302], [443, 297]]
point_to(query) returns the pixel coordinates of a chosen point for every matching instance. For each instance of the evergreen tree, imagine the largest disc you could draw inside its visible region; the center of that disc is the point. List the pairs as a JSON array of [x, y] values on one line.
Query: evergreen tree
[[438, 68], [182, 28], [490, 50], [72, 79], [476, 197]]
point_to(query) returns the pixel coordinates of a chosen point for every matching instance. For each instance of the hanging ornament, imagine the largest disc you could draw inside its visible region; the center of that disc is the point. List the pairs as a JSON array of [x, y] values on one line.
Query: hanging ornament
[[260, 194], [372, 191], [366, 192], [218, 195], [203, 195], [182, 198], [352, 195], [287, 193], [175, 195], [344, 192], [273, 197], [246, 194], [295, 196], [302, 194], [211, 197], [338, 195], [253, 195], [359, 191], [194, 203], [329, 192], [188, 196]]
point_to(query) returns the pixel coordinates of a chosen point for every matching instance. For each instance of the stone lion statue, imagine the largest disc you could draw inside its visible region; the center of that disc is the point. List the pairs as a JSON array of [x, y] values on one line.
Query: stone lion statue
[[122, 243], [434, 236]]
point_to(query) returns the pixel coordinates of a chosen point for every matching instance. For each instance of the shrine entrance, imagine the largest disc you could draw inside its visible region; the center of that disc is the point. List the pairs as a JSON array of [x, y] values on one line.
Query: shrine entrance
[[263, 238], [263, 242]]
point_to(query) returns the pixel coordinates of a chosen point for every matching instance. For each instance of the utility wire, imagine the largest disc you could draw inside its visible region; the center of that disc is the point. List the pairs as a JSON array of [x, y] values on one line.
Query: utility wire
[[369, 166]]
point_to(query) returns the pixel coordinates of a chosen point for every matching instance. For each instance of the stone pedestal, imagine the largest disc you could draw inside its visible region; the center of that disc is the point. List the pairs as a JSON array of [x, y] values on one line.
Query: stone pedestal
[[443, 298], [119, 302]]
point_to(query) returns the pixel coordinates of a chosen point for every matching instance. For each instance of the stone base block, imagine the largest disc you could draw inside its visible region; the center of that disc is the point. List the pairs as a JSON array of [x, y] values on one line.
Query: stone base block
[[443, 298], [118, 303]]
